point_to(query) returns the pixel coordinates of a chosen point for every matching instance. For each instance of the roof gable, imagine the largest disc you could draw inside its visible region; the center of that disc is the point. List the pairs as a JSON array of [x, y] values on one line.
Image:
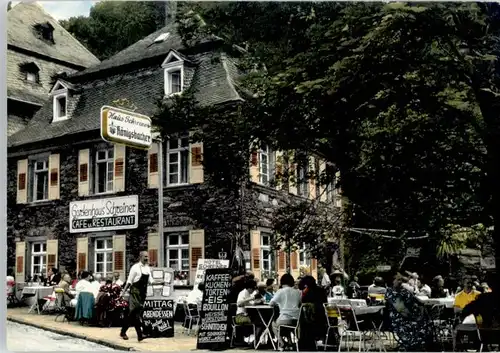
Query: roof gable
[[21, 33]]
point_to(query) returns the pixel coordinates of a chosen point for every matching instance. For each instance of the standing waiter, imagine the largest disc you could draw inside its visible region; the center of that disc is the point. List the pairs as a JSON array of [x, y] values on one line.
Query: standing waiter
[[138, 280]]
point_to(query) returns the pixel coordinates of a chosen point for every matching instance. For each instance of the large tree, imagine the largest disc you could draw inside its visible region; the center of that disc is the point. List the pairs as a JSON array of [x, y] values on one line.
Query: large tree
[[403, 98], [112, 26]]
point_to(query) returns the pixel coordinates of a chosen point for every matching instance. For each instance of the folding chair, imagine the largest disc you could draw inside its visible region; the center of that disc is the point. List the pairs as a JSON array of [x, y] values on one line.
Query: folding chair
[[333, 317], [192, 316], [350, 327], [294, 329], [235, 328], [60, 304]]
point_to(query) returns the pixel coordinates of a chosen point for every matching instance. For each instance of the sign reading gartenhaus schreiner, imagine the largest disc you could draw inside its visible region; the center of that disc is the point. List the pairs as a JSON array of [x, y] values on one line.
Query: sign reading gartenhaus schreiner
[[125, 127], [104, 214]]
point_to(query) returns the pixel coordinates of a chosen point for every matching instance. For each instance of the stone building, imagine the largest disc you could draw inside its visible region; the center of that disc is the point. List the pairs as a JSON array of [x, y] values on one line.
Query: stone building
[[38, 48], [80, 203]]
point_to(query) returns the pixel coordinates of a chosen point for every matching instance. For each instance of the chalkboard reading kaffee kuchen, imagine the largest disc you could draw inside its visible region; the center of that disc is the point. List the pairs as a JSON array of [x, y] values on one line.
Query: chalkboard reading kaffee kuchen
[[214, 314]]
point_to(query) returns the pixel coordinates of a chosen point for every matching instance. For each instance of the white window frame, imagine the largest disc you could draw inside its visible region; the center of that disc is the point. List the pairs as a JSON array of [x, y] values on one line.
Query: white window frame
[[269, 258], [42, 255], [173, 63], [36, 173], [304, 260], [179, 247], [178, 151], [264, 177], [105, 250], [110, 163], [57, 107]]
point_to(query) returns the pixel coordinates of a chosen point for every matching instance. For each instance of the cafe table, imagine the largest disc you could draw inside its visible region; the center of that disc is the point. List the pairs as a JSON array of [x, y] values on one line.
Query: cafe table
[[267, 324], [448, 302], [38, 292]]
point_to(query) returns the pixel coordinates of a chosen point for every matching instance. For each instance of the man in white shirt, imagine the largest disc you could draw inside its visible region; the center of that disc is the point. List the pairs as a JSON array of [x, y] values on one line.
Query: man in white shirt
[[83, 285], [288, 300], [138, 280], [245, 297]]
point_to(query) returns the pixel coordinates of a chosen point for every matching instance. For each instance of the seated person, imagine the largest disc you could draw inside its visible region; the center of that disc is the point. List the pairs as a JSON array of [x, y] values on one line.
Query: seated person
[[64, 284], [378, 287], [117, 280], [83, 285], [262, 290], [466, 296], [196, 295], [245, 298], [54, 277], [338, 290], [288, 299], [270, 285], [96, 283], [438, 290], [423, 289]]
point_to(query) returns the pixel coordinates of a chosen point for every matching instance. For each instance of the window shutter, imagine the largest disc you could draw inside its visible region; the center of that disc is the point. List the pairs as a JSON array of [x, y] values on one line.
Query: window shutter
[[312, 176], [119, 259], [196, 166], [82, 250], [281, 261], [52, 253], [119, 174], [322, 186], [292, 173], [294, 259], [83, 172], [338, 191], [278, 170], [153, 248], [54, 176], [314, 268], [153, 175], [196, 251], [254, 167], [255, 254], [22, 181], [20, 275]]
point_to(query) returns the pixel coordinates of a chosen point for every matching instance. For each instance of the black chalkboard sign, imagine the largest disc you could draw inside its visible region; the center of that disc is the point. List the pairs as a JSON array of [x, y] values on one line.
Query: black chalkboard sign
[[214, 313], [158, 317]]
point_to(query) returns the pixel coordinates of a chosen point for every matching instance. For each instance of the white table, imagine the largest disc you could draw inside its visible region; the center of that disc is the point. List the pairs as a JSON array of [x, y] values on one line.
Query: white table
[[267, 325], [351, 302], [448, 302], [38, 292]]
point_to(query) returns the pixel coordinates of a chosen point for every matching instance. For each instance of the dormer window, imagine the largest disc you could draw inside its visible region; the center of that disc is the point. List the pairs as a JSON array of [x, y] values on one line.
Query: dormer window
[[45, 31], [60, 102], [30, 72], [174, 81], [174, 74], [60, 105]]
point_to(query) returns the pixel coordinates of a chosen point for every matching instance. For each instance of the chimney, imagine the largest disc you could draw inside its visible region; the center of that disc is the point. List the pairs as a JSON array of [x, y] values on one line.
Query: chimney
[[170, 12]]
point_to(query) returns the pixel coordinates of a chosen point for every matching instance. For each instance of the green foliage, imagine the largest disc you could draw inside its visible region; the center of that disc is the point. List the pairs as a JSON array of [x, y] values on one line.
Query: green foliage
[[112, 26], [402, 97]]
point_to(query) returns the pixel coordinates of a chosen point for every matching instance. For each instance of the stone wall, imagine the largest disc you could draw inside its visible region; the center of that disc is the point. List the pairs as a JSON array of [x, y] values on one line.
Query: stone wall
[[51, 219]]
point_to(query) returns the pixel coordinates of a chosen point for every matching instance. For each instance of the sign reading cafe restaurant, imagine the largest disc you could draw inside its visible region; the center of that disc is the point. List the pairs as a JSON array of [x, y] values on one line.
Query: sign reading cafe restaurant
[[125, 127], [104, 214]]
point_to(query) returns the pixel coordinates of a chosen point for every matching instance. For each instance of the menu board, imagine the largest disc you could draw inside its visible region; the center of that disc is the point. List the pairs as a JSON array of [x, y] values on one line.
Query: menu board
[[205, 264], [158, 318], [165, 275], [214, 313]]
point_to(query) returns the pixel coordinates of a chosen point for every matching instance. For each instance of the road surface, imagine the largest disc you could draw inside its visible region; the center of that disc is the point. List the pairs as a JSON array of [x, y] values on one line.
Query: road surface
[[27, 338]]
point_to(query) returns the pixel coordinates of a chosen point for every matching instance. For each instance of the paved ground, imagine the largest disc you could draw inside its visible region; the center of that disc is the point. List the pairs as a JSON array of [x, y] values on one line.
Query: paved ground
[[21, 338]]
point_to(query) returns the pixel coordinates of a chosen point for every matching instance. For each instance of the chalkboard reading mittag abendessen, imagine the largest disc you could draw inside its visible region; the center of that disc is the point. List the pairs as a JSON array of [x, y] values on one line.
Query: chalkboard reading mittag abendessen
[[158, 317], [214, 313]]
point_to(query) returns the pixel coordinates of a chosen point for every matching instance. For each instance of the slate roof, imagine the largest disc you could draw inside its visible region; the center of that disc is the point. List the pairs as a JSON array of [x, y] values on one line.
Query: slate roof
[[143, 49], [15, 123], [212, 74], [25, 95], [20, 33]]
